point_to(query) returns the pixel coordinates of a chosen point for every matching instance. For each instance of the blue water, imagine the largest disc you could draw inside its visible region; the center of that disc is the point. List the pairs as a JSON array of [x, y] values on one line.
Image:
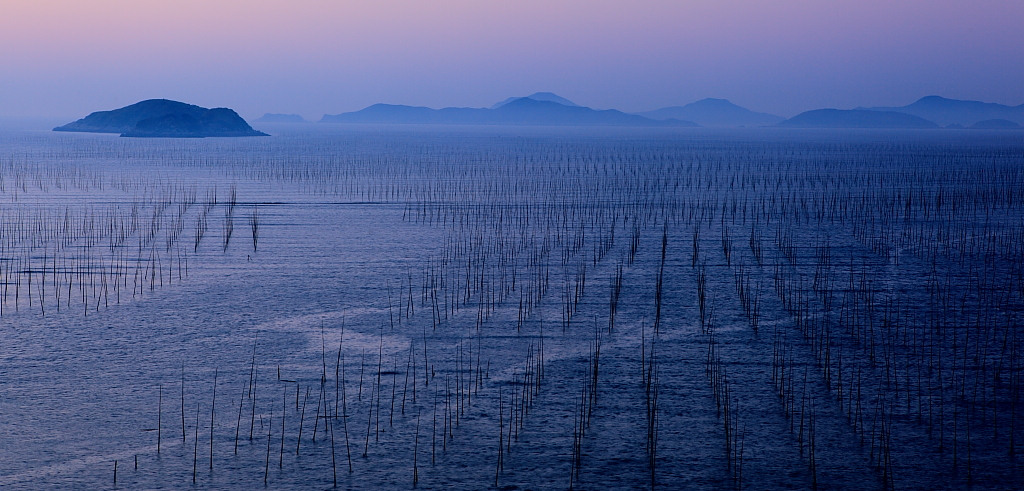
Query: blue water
[[395, 249]]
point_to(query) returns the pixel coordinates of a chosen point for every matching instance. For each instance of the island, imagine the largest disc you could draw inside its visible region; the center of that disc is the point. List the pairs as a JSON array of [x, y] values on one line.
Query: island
[[163, 118], [714, 113], [856, 118], [281, 118], [541, 109], [948, 112], [995, 124]]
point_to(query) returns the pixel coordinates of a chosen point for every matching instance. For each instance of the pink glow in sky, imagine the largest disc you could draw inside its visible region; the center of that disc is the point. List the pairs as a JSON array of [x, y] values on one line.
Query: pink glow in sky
[[65, 58]]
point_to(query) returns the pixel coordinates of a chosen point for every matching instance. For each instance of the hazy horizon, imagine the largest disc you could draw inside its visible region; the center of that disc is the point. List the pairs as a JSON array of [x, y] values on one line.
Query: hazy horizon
[[812, 294], [66, 59]]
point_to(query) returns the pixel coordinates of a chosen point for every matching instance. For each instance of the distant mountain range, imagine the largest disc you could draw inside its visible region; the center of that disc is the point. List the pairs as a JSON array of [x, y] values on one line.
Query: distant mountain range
[[927, 112], [539, 96], [166, 118], [714, 112], [546, 108], [856, 118], [945, 112], [280, 118], [995, 124], [539, 109], [162, 118]]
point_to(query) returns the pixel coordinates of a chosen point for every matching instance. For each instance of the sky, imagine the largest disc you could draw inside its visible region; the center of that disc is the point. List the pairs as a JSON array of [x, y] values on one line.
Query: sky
[[66, 58]]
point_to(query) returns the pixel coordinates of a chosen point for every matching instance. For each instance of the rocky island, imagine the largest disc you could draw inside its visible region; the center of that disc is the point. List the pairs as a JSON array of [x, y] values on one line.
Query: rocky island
[[162, 118]]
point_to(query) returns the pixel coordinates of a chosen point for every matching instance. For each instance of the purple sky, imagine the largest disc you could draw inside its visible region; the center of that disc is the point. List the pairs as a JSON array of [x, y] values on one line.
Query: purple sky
[[66, 58]]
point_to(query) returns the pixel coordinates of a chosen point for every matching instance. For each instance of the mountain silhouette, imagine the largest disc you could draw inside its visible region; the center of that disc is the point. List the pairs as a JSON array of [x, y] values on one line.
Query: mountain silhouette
[[164, 118], [280, 118], [714, 112], [954, 111], [518, 111], [855, 118], [995, 124], [539, 96]]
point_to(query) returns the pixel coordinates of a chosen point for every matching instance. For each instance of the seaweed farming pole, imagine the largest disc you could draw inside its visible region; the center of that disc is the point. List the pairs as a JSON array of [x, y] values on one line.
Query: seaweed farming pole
[[195, 448], [255, 379], [238, 422], [183, 403], [339, 376], [416, 451], [302, 417], [344, 419], [213, 405], [334, 460], [501, 435], [284, 411], [380, 360], [660, 281], [266, 465], [369, 421], [159, 415], [254, 223]]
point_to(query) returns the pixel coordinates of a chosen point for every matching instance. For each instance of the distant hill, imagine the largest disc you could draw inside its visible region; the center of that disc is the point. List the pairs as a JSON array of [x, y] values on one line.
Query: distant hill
[[953, 111], [519, 111], [386, 113], [531, 111], [714, 112], [164, 118], [280, 118], [539, 96], [995, 124], [855, 118]]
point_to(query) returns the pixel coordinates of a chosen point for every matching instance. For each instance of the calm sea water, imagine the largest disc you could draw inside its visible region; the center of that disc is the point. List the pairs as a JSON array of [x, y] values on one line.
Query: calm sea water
[[833, 309]]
